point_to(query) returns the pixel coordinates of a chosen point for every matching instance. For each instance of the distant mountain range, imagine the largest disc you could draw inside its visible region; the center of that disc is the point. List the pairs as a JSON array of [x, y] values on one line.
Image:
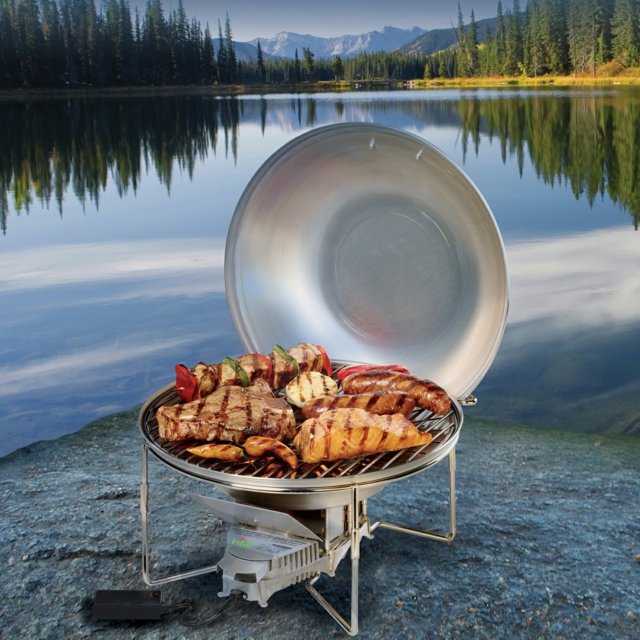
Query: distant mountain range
[[407, 41], [439, 39], [285, 44]]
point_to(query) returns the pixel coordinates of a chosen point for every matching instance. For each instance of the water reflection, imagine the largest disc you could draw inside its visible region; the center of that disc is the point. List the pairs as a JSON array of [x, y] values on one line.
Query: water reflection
[[96, 309], [569, 356], [586, 140]]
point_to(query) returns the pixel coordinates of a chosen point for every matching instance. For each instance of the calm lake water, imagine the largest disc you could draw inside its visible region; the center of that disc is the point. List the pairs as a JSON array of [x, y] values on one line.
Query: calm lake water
[[114, 216]]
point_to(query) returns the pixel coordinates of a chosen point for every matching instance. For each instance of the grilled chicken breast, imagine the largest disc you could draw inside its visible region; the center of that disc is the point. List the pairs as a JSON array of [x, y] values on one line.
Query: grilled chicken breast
[[229, 414], [346, 433]]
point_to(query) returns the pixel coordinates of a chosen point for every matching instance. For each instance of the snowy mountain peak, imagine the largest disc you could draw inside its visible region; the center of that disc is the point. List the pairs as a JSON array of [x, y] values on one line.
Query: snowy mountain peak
[[285, 43]]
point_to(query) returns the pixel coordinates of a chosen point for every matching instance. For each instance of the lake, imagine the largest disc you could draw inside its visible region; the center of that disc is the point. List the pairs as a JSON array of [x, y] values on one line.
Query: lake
[[114, 216]]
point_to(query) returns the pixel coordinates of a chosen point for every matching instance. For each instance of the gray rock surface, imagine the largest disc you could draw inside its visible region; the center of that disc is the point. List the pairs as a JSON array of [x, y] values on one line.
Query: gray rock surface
[[548, 544]]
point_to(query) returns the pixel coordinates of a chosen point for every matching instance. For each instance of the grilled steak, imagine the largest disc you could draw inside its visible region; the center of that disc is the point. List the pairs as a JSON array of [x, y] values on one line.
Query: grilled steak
[[230, 414], [345, 433], [427, 395], [379, 402]]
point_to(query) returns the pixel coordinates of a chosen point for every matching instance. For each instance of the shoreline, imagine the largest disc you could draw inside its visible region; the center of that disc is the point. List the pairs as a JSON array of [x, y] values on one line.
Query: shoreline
[[582, 81]]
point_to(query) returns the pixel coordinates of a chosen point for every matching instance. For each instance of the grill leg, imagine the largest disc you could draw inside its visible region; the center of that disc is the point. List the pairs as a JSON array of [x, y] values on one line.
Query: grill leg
[[451, 534], [144, 512], [351, 627]]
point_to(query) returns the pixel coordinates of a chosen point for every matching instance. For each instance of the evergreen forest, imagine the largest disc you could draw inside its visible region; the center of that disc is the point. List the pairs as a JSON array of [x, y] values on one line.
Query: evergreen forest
[[71, 43]]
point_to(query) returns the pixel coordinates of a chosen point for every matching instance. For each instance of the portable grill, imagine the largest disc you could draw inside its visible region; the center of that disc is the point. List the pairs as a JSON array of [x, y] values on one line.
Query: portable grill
[[348, 185]]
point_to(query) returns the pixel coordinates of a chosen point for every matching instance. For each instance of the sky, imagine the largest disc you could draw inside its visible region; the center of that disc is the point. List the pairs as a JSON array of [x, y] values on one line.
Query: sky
[[261, 19]]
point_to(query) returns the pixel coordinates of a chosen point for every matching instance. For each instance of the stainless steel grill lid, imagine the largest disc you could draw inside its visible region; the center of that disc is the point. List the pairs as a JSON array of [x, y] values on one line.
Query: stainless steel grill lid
[[369, 241]]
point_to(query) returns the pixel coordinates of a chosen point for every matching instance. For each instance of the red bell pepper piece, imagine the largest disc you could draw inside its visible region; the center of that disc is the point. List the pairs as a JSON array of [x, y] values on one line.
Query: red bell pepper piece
[[359, 368], [186, 384], [326, 363]]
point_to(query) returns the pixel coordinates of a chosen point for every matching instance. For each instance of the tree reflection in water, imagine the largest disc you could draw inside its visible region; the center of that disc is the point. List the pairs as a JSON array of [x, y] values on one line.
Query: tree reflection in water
[[586, 140]]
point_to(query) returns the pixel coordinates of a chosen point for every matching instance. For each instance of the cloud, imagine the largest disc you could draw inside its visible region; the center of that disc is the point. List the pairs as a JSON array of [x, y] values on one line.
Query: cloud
[[580, 281], [149, 268], [84, 366]]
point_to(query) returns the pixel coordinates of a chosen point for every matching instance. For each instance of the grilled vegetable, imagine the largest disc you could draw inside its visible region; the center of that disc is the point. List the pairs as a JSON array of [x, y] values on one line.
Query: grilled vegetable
[[326, 363], [309, 385], [257, 446], [186, 384], [359, 368], [225, 452]]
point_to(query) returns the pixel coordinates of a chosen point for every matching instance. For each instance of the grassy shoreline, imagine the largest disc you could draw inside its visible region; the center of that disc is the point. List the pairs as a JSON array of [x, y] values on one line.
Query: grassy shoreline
[[583, 80]]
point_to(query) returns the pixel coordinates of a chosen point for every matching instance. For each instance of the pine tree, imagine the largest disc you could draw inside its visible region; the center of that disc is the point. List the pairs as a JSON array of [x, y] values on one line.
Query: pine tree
[[624, 29], [54, 43], [338, 68], [514, 41], [209, 70], [262, 71], [297, 70], [309, 62], [472, 44], [501, 40], [232, 62], [223, 65]]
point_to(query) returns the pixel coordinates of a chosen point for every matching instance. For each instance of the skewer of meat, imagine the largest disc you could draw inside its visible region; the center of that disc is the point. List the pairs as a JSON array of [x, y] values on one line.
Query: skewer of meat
[[277, 369]]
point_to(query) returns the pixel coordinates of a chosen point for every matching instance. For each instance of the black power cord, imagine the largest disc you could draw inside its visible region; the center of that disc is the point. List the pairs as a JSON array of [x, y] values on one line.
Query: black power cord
[[232, 601]]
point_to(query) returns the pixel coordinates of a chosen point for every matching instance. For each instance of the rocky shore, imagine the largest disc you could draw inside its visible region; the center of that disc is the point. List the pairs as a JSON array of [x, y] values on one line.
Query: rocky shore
[[548, 544]]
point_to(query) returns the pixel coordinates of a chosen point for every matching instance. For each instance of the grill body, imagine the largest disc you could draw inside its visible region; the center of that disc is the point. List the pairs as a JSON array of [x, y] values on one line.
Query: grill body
[[319, 510], [391, 254]]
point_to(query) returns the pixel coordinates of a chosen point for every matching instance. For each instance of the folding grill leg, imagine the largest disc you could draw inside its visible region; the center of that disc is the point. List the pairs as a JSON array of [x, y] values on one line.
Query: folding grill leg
[[451, 534], [144, 511], [354, 527]]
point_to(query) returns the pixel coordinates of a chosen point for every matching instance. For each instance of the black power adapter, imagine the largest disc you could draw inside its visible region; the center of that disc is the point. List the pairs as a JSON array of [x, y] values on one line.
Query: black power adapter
[[128, 604]]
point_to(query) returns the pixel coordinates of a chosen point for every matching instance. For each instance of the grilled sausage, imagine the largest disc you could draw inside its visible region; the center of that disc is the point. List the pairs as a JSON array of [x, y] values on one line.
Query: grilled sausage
[[257, 446], [427, 395], [378, 402]]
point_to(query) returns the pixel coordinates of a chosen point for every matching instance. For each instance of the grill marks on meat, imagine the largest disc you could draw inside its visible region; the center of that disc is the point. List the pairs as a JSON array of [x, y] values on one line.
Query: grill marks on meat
[[378, 402], [426, 394], [256, 366], [257, 446], [308, 356], [230, 414], [346, 433]]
